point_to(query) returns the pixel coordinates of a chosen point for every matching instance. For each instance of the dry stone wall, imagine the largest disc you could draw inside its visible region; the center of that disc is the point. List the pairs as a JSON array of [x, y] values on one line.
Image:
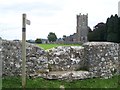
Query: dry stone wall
[[119, 57], [66, 58], [12, 61], [100, 59]]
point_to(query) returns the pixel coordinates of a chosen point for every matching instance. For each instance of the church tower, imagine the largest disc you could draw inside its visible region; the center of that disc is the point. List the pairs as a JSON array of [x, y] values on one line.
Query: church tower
[[82, 28]]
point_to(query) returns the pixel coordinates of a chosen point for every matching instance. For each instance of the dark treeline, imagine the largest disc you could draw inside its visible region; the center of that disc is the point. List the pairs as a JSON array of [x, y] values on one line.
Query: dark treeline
[[109, 31]]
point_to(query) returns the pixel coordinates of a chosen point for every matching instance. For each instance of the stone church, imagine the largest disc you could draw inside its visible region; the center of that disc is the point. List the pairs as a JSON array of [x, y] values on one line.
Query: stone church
[[81, 30]]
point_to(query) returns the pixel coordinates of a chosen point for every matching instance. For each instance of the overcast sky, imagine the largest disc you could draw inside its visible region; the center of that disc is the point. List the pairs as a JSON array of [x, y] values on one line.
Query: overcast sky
[[58, 16]]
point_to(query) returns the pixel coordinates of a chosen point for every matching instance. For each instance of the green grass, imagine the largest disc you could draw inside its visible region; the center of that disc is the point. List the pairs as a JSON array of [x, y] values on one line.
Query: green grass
[[49, 46], [15, 82], [0, 83]]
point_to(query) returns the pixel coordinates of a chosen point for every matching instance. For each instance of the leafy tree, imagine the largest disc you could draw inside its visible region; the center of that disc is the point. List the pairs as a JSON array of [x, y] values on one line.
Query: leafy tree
[[89, 29], [113, 27], [38, 40], [64, 36], [99, 33], [109, 31], [52, 37]]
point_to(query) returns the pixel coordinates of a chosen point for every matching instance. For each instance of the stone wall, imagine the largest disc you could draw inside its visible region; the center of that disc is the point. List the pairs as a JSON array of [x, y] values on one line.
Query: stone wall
[[66, 58], [100, 59], [119, 58], [12, 61]]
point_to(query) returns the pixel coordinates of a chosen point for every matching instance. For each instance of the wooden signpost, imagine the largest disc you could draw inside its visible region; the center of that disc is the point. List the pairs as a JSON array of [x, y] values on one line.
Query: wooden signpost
[[24, 22]]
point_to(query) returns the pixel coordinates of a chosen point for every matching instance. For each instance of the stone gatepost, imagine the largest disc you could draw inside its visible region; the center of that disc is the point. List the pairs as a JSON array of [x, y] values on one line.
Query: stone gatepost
[[102, 58]]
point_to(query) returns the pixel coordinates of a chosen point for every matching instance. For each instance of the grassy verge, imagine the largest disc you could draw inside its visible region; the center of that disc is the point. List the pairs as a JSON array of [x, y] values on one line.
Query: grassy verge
[[49, 46], [15, 82]]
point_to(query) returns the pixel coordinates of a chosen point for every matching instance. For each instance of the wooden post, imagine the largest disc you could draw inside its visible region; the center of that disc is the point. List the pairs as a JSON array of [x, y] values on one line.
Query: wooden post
[[23, 50]]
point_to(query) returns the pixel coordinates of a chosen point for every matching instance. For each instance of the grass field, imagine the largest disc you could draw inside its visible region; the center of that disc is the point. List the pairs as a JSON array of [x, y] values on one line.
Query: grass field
[[15, 82], [49, 46]]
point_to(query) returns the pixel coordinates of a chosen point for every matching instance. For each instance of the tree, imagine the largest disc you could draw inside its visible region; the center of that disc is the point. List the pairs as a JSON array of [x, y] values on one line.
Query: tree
[[113, 28], [99, 33], [52, 37], [38, 40], [64, 36], [89, 29], [109, 31]]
